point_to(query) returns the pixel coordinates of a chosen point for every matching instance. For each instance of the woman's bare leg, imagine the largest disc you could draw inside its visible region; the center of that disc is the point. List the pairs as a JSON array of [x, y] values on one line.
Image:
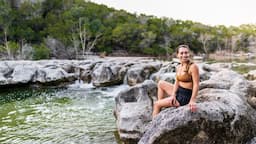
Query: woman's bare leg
[[166, 102], [163, 88], [159, 104]]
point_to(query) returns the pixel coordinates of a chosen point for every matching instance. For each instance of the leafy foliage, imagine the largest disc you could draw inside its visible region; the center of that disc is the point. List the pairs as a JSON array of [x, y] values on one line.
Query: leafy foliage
[[114, 30], [41, 52]]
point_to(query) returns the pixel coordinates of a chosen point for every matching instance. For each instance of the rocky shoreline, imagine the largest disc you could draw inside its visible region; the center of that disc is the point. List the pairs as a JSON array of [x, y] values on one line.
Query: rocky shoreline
[[226, 101], [100, 72]]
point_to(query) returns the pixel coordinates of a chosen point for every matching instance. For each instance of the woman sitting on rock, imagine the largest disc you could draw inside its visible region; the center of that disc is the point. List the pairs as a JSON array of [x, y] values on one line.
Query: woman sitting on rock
[[185, 88]]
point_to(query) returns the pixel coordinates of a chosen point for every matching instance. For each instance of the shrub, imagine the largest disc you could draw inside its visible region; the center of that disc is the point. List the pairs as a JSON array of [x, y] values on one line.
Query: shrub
[[41, 52]]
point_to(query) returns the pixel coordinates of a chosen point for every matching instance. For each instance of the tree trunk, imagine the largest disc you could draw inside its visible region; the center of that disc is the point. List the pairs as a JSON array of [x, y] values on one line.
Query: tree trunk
[[83, 36], [92, 44], [75, 44], [7, 45]]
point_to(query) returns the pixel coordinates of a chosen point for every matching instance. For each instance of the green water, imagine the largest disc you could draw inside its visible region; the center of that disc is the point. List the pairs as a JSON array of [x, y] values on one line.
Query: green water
[[54, 116]]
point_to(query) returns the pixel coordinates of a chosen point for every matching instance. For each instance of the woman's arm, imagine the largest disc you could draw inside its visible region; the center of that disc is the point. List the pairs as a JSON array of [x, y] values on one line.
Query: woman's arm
[[195, 78], [175, 87], [176, 84]]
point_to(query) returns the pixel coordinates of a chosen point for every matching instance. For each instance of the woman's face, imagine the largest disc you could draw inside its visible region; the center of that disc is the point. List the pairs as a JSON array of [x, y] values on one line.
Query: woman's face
[[183, 54]]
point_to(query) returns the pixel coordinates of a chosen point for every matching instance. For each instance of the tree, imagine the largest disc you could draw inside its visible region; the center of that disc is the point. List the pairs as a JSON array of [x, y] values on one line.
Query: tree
[[5, 22], [52, 6], [86, 42], [234, 41], [83, 26], [127, 37], [41, 52], [148, 38], [204, 38], [75, 42]]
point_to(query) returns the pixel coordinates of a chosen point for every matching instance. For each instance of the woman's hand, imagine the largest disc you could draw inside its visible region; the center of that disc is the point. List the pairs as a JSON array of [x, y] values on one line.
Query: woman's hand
[[173, 100], [192, 106]]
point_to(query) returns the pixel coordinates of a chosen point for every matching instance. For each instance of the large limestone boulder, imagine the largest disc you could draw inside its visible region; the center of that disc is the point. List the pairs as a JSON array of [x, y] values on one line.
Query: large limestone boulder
[[140, 72], [166, 72], [84, 70], [204, 72], [5, 73], [223, 115], [101, 72], [133, 110], [31, 72], [5, 69], [106, 74], [52, 74], [23, 73]]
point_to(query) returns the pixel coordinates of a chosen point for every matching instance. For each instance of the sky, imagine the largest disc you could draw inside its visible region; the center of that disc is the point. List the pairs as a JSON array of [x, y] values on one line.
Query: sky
[[210, 12]]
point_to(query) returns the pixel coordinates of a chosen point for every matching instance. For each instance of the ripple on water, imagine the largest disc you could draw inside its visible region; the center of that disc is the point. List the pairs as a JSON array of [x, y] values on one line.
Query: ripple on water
[[59, 116]]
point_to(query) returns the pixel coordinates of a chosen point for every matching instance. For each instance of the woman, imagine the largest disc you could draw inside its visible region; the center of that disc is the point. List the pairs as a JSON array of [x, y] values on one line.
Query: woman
[[185, 88]]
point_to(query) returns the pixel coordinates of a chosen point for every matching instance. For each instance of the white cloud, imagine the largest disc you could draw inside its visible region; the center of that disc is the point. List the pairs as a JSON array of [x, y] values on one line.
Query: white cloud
[[212, 12]]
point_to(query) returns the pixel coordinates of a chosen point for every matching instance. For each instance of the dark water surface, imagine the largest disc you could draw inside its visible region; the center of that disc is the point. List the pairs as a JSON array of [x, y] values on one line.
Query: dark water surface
[[79, 114]]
